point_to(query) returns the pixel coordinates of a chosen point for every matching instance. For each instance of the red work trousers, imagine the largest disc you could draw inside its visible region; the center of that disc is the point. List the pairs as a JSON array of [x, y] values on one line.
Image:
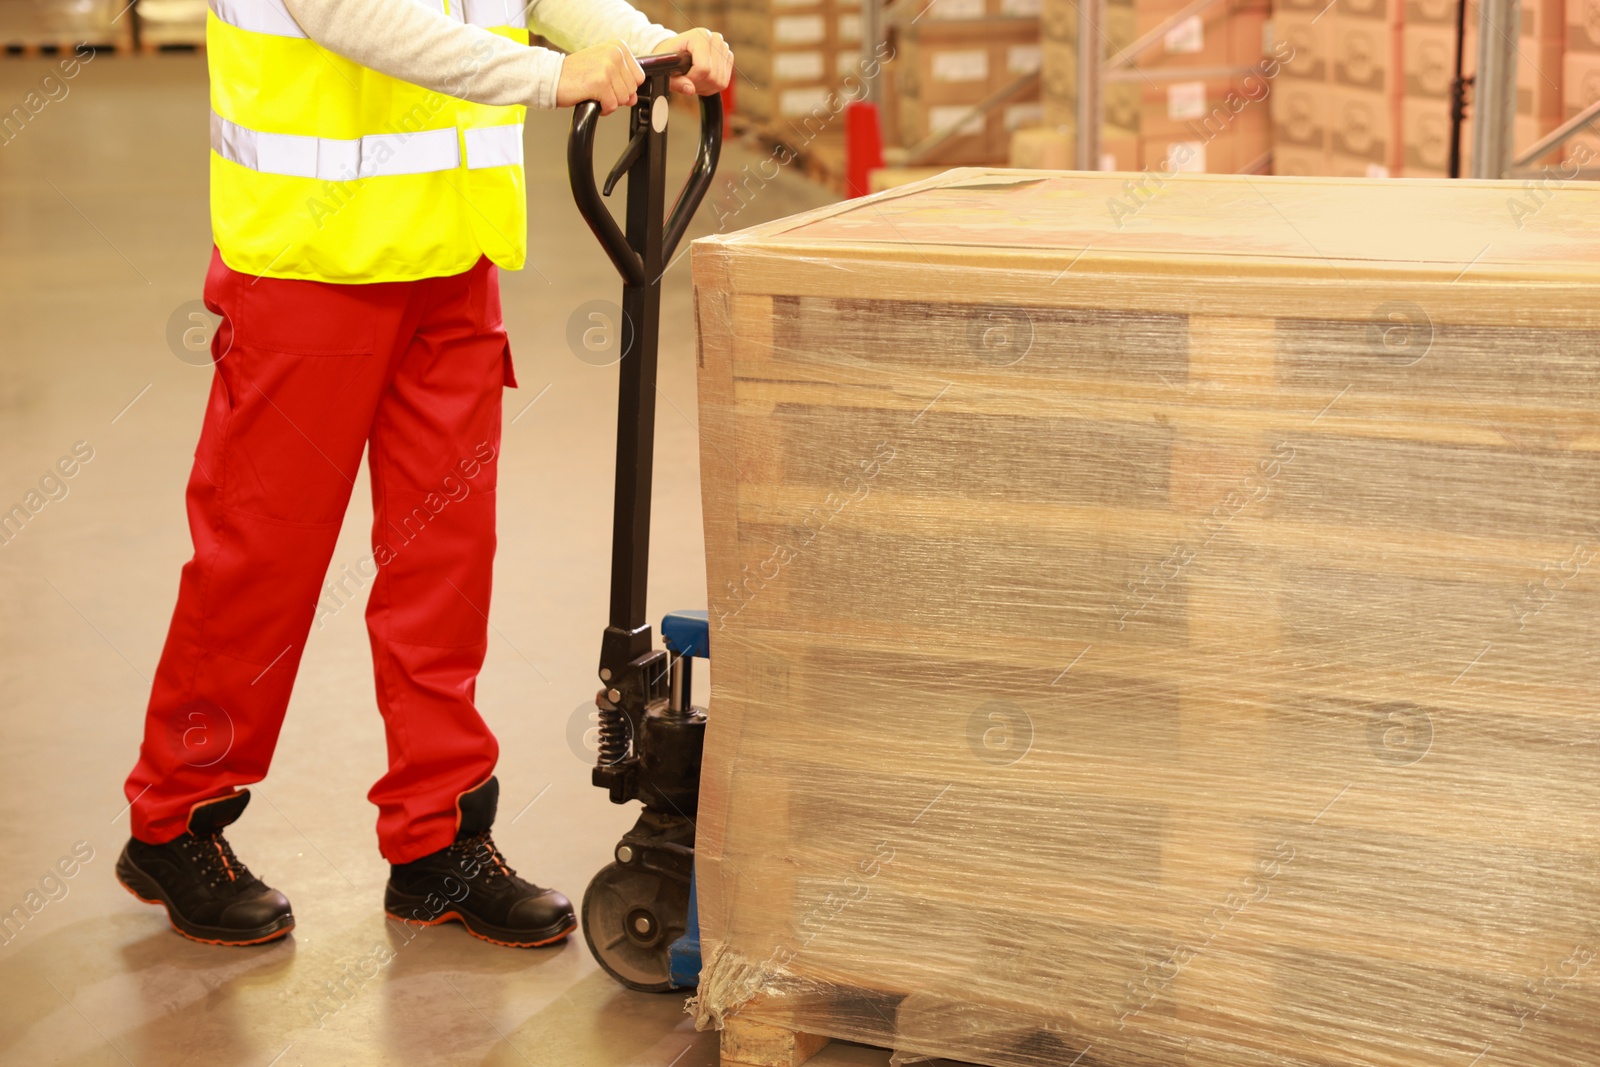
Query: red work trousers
[[307, 375]]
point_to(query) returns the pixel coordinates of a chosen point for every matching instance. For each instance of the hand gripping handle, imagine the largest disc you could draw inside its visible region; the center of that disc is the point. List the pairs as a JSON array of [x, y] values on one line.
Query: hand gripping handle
[[580, 169]]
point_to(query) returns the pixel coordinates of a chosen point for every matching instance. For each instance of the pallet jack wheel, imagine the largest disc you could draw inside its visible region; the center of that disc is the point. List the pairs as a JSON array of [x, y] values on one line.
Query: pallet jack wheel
[[631, 917]]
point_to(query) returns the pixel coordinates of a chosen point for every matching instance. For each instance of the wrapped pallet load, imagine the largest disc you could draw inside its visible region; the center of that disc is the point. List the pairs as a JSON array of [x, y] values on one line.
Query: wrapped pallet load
[[1166, 638]]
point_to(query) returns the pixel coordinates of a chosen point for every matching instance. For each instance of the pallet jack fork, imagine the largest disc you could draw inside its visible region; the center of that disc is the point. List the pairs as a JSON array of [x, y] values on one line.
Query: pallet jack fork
[[638, 912]]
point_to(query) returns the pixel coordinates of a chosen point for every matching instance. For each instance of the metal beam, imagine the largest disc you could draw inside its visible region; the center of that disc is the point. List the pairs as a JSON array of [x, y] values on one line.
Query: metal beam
[[1558, 136], [1262, 164], [1157, 34], [871, 38], [1495, 87], [931, 143], [1176, 74], [1090, 53]]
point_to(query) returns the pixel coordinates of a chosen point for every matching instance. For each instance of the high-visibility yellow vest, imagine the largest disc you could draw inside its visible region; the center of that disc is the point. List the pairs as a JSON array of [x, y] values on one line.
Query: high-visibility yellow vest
[[327, 170]]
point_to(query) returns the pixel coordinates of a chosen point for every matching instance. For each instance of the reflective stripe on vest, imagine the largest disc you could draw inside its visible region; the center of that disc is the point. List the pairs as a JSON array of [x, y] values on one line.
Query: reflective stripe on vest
[[272, 17], [372, 156]]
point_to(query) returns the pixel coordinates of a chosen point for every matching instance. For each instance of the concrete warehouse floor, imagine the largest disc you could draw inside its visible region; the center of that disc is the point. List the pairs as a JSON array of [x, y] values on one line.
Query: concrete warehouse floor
[[104, 241]]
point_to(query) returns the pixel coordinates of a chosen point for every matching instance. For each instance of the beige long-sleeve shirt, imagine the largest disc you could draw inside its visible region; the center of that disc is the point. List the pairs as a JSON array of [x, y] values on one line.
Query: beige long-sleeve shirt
[[420, 44]]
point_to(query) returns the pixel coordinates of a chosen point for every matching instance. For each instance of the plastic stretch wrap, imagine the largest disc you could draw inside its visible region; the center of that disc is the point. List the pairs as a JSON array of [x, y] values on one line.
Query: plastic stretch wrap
[[1157, 630]]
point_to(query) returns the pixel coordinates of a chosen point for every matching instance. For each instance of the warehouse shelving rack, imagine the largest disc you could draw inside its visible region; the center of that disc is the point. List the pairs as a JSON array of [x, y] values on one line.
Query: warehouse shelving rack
[[1494, 88]]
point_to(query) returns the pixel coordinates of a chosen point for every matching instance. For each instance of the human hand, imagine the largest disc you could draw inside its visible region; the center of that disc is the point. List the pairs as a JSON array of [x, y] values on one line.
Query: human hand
[[606, 73], [713, 62]]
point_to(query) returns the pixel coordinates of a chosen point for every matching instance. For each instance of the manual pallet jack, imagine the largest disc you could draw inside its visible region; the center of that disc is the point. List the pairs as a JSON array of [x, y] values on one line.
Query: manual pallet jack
[[639, 913]]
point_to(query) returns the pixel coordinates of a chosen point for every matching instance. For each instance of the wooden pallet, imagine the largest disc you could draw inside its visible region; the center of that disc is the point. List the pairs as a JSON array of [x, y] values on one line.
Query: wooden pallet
[[748, 1043], [119, 42], [182, 39]]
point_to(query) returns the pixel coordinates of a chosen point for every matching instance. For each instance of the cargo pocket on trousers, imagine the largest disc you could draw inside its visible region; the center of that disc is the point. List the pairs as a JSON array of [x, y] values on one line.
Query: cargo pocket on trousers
[[510, 370]]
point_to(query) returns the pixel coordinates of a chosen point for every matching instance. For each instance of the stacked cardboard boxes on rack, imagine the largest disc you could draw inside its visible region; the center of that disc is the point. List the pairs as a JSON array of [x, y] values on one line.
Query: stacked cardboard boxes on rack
[[793, 57], [1364, 88], [1218, 124], [952, 55], [1428, 69], [1299, 102], [1193, 102], [1368, 90], [1052, 145]]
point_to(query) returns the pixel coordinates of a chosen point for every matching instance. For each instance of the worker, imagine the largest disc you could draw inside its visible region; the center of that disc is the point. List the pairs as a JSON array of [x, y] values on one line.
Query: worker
[[366, 184]]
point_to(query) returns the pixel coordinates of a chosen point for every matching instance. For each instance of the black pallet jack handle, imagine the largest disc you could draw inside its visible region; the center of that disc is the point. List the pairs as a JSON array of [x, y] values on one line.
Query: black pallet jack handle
[[634, 673]]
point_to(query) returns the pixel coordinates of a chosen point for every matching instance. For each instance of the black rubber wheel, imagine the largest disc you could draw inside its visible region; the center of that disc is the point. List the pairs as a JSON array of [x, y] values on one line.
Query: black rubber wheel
[[631, 917]]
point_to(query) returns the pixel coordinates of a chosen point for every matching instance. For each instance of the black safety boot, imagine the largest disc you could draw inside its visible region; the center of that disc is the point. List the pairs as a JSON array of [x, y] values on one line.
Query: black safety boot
[[209, 895], [470, 883]]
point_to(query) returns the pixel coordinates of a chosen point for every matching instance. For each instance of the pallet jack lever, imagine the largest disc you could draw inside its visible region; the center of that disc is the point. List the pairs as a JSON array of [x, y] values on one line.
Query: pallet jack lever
[[638, 912], [649, 118]]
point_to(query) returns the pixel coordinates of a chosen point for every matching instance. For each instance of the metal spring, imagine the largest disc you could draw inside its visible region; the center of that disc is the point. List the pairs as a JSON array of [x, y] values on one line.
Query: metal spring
[[613, 740]]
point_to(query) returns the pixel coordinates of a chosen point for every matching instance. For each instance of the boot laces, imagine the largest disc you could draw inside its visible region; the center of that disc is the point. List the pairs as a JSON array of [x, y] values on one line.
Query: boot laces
[[214, 858], [481, 850]]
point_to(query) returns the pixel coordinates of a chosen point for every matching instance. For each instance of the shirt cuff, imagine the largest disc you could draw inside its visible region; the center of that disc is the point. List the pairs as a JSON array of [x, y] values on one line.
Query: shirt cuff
[[547, 68]]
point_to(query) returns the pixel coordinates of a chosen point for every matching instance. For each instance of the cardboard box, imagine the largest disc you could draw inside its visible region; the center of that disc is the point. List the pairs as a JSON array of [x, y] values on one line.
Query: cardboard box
[[1527, 130], [1580, 87], [1043, 148], [1388, 12], [1539, 78], [1120, 150], [1298, 162], [1362, 126], [1542, 20], [1341, 165], [1202, 110], [1425, 133], [982, 139], [1306, 8], [1058, 20], [1300, 115], [1366, 54], [932, 12], [942, 67], [1046, 148], [1166, 156], [1229, 153], [1311, 39], [1429, 61], [1440, 14], [788, 55], [1198, 41], [1583, 26]]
